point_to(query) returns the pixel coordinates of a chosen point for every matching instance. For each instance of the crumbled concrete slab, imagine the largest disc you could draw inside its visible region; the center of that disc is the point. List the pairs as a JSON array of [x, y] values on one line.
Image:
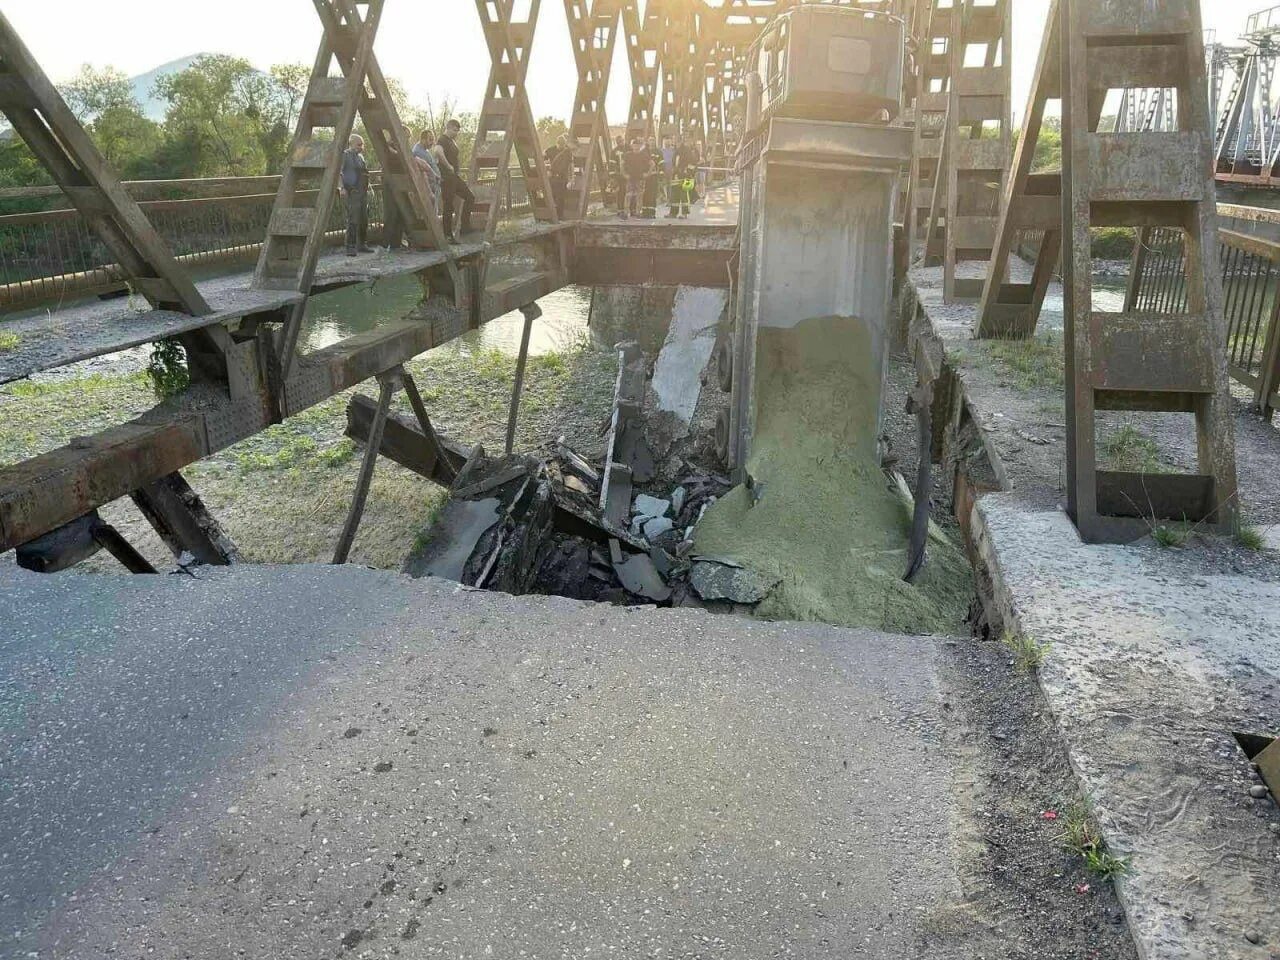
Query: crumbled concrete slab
[[1153, 664], [453, 538], [650, 506], [677, 372], [721, 581], [323, 761]]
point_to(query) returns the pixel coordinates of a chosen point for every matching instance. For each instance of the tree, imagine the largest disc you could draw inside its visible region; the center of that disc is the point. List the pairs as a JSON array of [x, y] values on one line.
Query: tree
[[237, 120], [93, 92], [128, 141], [549, 129], [104, 101]]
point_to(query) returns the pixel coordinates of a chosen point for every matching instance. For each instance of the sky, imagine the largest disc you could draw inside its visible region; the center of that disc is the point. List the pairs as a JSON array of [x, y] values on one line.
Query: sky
[[434, 46]]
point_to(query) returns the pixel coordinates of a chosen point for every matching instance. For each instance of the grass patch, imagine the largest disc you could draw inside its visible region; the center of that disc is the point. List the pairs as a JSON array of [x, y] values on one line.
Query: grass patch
[[1034, 363], [1028, 652], [1083, 838], [337, 454], [1170, 535], [1250, 537], [1132, 451], [8, 341]]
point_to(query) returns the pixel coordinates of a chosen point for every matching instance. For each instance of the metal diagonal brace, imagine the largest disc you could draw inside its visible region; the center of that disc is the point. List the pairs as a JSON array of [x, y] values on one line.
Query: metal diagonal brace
[[387, 384]]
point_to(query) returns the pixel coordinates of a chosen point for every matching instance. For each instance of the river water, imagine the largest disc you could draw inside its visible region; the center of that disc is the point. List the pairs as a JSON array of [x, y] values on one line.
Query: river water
[[334, 316]]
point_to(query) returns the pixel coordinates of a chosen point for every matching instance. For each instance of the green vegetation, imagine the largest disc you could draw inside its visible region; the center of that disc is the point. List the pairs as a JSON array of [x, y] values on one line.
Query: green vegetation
[[1034, 363], [8, 341], [223, 118], [1132, 451], [1170, 535], [167, 369], [1250, 537], [1028, 652], [1083, 838], [1048, 155], [1113, 243]]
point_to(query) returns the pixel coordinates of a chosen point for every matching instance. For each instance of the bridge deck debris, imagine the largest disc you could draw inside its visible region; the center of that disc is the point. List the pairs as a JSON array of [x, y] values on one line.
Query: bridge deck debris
[[1154, 657]]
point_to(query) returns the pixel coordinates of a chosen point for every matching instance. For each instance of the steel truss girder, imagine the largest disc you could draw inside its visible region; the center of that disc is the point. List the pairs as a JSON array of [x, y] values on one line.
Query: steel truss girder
[[1174, 362], [593, 26]]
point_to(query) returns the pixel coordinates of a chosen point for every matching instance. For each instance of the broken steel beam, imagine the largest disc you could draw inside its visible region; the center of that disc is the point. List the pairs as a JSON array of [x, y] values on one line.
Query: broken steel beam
[[183, 522], [404, 441]]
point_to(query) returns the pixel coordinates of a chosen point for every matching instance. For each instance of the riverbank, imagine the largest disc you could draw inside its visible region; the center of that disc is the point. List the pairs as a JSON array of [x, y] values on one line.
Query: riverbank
[[283, 494]]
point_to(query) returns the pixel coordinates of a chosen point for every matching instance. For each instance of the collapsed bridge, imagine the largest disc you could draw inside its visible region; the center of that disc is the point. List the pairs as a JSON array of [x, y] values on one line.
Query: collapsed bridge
[[968, 196]]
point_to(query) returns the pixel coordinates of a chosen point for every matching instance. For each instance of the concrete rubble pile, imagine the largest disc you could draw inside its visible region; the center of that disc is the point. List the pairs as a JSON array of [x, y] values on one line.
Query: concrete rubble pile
[[617, 530]]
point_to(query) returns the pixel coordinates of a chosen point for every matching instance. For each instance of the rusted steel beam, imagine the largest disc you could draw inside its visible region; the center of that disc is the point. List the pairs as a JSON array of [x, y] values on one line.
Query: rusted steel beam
[[45, 492], [1137, 361], [387, 384], [506, 125], [605, 254], [182, 521], [406, 442], [531, 312]]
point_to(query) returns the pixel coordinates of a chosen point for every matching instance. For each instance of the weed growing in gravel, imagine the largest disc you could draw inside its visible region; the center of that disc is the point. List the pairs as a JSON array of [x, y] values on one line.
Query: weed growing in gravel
[[1082, 837], [8, 341], [1036, 362], [1028, 652], [1170, 535], [1250, 537], [1132, 451]]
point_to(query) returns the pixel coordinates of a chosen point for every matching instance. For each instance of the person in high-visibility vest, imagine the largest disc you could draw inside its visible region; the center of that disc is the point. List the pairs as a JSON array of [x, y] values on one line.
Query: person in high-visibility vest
[[683, 184]]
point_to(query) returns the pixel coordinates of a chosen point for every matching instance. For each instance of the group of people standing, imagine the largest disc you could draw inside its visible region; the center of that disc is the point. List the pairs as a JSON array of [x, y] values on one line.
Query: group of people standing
[[438, 159], [645, 175]]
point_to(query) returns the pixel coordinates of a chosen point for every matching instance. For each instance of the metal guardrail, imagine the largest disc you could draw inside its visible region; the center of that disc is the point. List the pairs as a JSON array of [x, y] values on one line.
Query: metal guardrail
[[52, 255], [1249, 252]]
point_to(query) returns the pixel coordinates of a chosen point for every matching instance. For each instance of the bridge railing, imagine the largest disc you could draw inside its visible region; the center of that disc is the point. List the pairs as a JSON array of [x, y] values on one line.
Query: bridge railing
[[1249, 253], [49, 253]]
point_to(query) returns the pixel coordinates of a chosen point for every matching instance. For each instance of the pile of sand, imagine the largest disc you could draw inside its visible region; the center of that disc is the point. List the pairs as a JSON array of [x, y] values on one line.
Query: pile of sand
[[829, 522]]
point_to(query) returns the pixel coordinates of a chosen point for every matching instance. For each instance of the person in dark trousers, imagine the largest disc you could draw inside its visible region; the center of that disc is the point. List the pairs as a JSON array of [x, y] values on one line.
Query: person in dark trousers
[[354, 187], [651, 185], [559, 168], [617, 179], [636, 166], [683, 180], [455, 188], [393, 226], [667, 176]]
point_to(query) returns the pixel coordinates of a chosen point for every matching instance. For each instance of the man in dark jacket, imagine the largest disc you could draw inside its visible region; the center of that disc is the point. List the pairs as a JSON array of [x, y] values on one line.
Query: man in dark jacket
[[636, 166], [617, 179], [455, 187], [651, 185], [354, 187], [559, 170]]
